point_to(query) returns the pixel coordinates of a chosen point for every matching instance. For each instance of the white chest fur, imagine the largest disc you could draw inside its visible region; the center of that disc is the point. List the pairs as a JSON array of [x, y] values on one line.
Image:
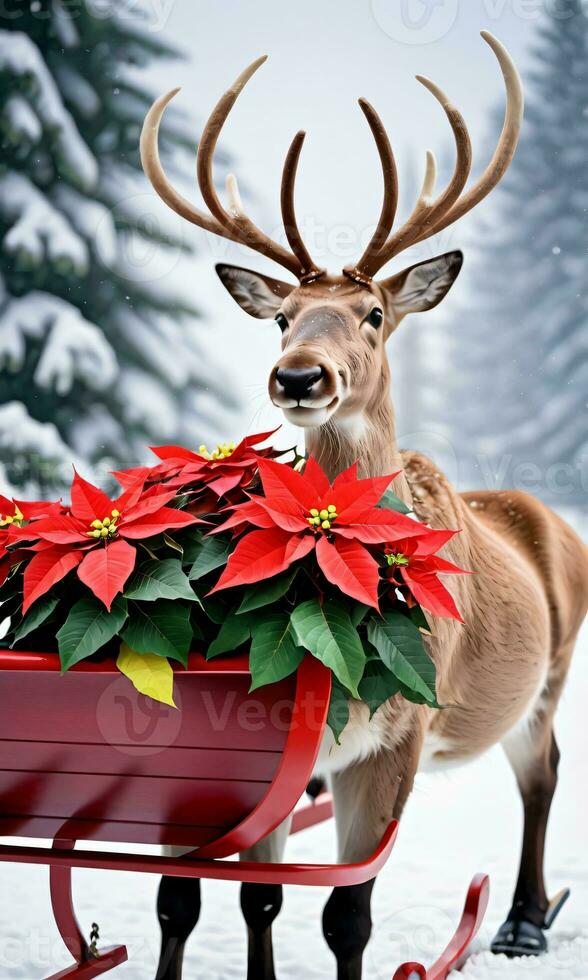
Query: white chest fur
[[360, 739]]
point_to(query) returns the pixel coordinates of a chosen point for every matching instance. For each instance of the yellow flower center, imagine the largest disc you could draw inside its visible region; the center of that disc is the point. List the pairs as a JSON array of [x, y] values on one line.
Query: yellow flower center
[[105, 528], [397, 559], [222, 451], [16, 519], [321, 520]]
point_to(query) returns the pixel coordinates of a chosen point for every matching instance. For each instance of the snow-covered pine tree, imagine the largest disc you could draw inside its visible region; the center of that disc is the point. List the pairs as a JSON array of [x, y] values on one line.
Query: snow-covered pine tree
[[97, 359], [519, 411]]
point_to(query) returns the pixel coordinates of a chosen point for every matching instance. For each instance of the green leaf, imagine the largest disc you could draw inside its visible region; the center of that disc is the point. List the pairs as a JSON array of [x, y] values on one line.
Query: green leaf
[[389, 501], [419, 619], [88, 627], [377, 685], [358, 613], [40, 612], [328, 633], [216, 608], [274, 653], [415, 697], [338, 713], [160, 580], [192, 544], [401, 648], [266, 592], [234, 631], [213, 553], [196, 623], [161, 627]]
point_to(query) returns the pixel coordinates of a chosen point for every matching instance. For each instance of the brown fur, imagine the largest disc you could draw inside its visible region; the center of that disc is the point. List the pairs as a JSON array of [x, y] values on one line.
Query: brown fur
[[522, 607], [528, 595]]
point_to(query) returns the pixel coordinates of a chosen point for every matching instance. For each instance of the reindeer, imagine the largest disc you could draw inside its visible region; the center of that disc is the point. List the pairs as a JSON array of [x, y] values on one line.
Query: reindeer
[[505, 669]]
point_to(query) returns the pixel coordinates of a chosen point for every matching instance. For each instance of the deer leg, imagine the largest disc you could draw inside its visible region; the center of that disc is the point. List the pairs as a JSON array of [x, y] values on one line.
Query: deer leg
[[366, 797], [178, 909], [534, 756], [261, 905]]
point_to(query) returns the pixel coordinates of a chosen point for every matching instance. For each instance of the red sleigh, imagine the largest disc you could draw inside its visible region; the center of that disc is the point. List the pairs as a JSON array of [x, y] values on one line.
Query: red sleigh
[[99, 762]]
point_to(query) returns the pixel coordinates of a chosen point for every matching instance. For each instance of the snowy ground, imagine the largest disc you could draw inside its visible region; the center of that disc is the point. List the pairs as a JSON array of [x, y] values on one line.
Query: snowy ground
[[455, 825]]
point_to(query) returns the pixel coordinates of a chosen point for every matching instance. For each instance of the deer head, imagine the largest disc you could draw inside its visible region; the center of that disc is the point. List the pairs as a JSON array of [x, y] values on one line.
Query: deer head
[[333, 366]]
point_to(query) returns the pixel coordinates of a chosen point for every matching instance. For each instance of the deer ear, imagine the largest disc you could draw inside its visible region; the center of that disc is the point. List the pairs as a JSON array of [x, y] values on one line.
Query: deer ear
[[422, 286], [260, 296]]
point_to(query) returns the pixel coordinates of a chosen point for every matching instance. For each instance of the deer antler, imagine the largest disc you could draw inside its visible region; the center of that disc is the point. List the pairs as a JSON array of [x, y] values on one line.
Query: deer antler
[[431, 216], [233, 224]]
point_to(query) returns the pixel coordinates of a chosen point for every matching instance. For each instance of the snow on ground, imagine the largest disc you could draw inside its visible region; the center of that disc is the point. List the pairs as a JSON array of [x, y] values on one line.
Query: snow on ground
[[455, 825]]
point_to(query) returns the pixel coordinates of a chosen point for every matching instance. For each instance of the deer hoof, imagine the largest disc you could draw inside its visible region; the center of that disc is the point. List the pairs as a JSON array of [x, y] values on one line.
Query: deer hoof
[[519, 938]]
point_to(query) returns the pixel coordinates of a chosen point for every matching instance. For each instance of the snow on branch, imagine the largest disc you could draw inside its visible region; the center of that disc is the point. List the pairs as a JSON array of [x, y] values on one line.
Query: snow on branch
[[74, 348], [38, 231], [151, 342], [78, 90], [34, 448], [22, 120], [64, 26], [93, 220], [21, 57], [95, 431], [148, 404]]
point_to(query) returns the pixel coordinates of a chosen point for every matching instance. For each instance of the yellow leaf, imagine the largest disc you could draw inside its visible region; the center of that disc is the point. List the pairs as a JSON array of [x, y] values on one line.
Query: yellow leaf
[[150, 674]]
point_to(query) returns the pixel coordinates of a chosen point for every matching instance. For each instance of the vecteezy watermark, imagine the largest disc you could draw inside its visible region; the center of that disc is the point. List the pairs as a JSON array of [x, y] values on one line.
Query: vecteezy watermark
[[557, 480], [335, 245], [415, 21], [424, 21], [151, 247], [151, 15], [135, 724]]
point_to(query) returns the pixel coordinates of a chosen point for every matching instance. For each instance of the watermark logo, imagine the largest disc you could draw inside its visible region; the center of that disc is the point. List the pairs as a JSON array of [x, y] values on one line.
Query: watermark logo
[[135, 724], [149, 240], [415, 21]]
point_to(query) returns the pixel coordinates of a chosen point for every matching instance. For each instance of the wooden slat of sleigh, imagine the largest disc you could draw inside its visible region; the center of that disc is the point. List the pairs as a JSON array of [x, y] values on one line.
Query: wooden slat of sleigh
[[186, 763], [91, 708], [48, 827], [207, 802]]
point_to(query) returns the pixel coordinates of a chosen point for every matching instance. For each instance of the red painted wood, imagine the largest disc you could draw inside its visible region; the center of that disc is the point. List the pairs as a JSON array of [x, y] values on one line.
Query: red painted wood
[[109, 958], [99, 752], [85, 757], [309, 716], [42, 662], [215, 711], [129, 798], [311, 814], [203, 763], [453, 955], [109, 830], [186, 867], [62, 905], [86, 965]]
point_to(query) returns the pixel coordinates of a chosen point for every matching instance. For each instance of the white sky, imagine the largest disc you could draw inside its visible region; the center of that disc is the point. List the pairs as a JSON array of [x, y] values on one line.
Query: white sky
[[323, 56]]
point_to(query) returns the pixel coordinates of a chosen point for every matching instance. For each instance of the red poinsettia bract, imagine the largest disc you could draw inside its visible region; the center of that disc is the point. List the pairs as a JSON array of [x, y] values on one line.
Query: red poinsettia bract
[[13, 514], [302, 512], [206, 475], [95, 537], [415, 563]]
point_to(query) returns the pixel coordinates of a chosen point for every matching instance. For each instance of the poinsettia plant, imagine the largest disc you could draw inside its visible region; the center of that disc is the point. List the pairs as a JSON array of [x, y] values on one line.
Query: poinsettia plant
[[231, 549]]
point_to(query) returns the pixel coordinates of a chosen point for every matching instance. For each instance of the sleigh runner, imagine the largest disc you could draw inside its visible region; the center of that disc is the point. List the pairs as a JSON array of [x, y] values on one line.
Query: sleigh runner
[[104, 763]]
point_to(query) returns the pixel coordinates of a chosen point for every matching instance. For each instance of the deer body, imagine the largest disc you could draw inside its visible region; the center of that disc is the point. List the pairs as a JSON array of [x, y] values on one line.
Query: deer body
[[501, 673]]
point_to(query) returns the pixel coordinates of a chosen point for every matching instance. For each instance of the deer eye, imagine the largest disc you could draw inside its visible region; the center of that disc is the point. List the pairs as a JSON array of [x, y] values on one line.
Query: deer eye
[[281, 321], [376, 317]]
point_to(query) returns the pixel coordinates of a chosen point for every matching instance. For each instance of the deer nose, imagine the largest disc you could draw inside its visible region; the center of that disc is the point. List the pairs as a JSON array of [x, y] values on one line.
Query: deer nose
[[298, 382]]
